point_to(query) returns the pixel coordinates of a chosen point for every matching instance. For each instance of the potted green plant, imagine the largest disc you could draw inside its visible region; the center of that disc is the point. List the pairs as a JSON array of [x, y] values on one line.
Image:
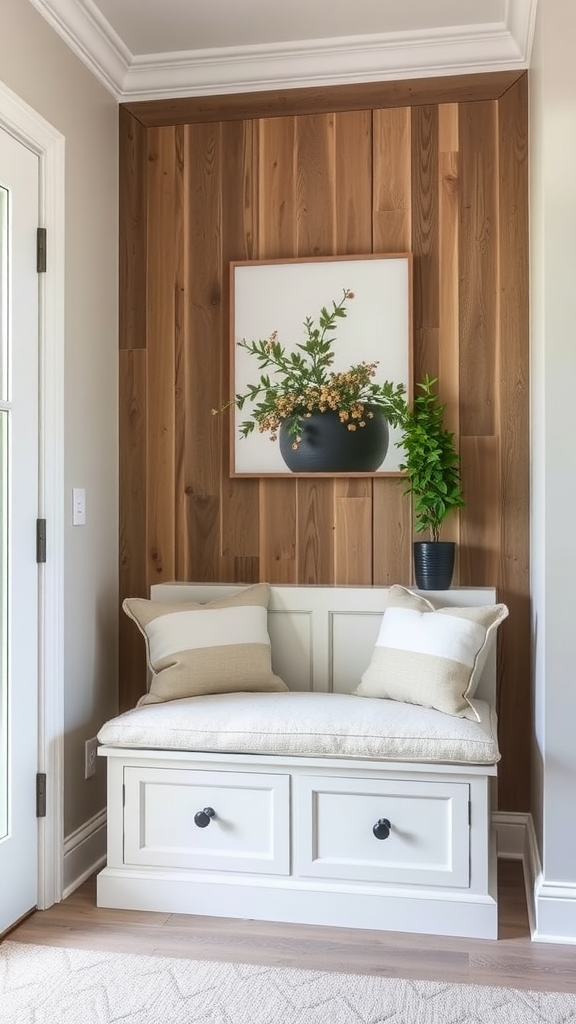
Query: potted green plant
[[324, 420], [432, 472]]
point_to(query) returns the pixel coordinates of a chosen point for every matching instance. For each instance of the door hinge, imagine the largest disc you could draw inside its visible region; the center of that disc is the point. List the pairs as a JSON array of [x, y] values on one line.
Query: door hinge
[[40, 540], [40, 250], [41, 795]]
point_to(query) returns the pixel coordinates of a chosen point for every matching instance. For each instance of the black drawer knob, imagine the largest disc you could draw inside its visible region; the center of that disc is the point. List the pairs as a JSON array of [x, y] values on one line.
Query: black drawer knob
[[202, 818], [382, 828]]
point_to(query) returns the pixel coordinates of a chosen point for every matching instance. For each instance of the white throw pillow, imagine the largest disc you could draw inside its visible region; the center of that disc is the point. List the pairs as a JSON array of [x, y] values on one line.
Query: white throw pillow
[[219, 647], [428, 656]]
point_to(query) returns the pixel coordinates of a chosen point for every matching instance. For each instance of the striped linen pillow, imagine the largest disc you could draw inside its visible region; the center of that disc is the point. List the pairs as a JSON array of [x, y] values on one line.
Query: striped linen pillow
[[432, 657], [219, 647]]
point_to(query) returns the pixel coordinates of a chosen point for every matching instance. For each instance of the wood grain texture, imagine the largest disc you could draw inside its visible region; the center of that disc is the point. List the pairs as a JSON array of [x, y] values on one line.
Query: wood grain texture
[[478, 267], [132, 541], [239, 500], [392, 232], [448, 266], [278, 540], [132, 257], [448, 262], [321, 99], [205, 323], [392, 524], [514, 427], [315, 185], [315, 531], [353, 539], [480, 526], [392, 191], [424, 139], [278, 216], [165, 225], [353, 536], [353, 189], [278, 212], [440, 171]]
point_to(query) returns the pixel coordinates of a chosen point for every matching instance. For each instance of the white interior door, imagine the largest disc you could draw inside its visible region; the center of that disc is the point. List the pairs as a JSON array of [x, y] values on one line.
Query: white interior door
[[19, 200]]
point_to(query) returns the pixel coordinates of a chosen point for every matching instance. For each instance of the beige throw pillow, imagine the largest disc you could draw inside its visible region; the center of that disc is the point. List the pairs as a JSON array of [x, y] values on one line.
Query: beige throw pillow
[[219, 647], [428, 656]]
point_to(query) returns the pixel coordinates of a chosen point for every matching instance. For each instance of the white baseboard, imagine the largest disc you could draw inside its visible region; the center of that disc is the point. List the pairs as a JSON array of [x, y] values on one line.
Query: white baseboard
[[551, 905], [516, 840], [511, 831], [555, 912], [84, 852]]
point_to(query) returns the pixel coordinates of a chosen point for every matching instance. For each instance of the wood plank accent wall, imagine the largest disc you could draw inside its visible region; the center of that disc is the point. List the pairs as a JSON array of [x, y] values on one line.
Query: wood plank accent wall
[[439, 169]]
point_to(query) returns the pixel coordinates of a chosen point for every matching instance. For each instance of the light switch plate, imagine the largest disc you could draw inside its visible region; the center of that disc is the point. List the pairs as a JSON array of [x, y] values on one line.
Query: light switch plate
[[78, 506]]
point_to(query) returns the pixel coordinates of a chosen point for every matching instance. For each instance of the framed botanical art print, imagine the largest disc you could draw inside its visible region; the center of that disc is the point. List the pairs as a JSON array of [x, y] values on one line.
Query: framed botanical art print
[[321, 363]]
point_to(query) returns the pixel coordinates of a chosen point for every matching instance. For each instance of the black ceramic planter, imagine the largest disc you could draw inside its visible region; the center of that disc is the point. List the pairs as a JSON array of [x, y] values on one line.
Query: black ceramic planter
[[327, 446], [434, 564]]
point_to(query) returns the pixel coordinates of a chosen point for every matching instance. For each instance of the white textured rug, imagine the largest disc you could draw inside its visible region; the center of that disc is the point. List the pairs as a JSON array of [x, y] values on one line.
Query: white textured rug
[[52, 985]]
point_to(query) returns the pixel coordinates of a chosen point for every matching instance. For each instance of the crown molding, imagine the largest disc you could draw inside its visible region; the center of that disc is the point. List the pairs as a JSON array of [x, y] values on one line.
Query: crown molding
[[321, 63], [501, 46]]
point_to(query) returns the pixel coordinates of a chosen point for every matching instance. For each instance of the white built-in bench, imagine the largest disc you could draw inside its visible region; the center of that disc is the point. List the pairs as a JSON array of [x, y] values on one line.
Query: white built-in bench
[[327, 808]]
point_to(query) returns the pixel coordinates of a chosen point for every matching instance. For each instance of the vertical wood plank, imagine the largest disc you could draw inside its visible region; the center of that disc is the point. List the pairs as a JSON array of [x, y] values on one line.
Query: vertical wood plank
[[353, 182], [199, 492], [392, 553], [480, 526], [448, 250], [239, 502], [315, 531], [316, 144], [513, 410], [392, 180], [278, 537], [315, 183], [392, 232], [133, 256], [277, 212], [133, 259], [132, 485], [478, 267], [424, 139], [164, 218], [277, 236], [353, 540], [352, 499]]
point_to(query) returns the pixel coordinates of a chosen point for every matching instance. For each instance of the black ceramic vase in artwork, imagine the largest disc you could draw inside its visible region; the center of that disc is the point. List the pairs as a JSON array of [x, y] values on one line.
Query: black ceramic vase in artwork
[[327, 445]]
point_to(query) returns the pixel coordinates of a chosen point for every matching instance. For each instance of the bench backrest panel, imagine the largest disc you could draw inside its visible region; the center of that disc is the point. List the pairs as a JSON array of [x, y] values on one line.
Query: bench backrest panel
[[323, 637]]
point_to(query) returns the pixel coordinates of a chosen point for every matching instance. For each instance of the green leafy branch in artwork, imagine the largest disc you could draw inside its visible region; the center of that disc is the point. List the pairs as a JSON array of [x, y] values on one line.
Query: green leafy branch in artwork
[[294, 384]]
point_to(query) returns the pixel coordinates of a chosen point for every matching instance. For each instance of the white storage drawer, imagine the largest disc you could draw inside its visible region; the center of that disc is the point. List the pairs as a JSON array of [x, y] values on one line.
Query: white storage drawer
[[428, 842], [249, 831]]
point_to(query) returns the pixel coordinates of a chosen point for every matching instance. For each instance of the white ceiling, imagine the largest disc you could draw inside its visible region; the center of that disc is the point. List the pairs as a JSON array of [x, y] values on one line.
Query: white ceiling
[[153, 49]]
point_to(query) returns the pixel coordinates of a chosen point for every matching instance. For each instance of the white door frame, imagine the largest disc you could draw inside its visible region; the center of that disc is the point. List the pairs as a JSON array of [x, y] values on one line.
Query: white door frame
[[22, 122]]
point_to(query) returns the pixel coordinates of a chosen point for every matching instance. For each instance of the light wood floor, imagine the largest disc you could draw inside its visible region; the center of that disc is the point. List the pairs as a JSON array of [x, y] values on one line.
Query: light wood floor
[[511, 960]]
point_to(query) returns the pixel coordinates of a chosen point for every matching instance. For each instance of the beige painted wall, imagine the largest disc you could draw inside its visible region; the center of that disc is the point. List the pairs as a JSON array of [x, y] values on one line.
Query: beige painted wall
[[553, 226], [37, 65]]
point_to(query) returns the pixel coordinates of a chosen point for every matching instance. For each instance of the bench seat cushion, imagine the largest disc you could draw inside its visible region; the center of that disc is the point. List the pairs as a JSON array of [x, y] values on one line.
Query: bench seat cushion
[[308, 725]]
